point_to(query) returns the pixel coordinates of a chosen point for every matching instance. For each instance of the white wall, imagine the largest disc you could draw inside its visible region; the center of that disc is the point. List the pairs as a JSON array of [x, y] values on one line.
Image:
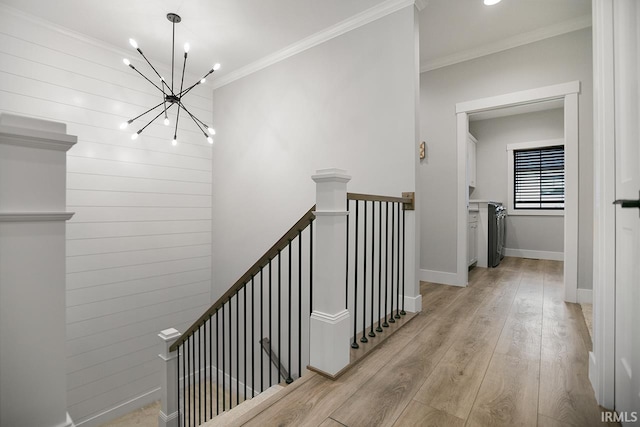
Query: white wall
[[557, 60], [524, 232], [347, 103], [139, 245]]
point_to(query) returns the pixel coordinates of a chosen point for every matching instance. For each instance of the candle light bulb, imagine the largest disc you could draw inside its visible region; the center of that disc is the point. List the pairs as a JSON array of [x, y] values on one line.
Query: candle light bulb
[[186, 48], [166, 121], [210, 140], [126, 62], [174, 142], [134, 136], [216, 67], [133, 43], [212, 131]]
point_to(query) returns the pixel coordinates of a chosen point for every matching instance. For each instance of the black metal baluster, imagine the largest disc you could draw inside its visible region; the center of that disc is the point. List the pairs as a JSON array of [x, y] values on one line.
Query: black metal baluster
[[279, 314], [218, 364], [311, 266], [379, 328], [193, 364], [289, 380], [187, 358], [184, 378], [199, 379], [270, 317], [230, 353], [204, 353], [253, 326], [237, 348], [373, 248], [224, 371], [346, 281], [203, 377], [299, 304], [404, 247], [244, 341], [398, 267], [386, 260], [364, 277], [393, 235], [354, 344], [261, 331], [211, 367]]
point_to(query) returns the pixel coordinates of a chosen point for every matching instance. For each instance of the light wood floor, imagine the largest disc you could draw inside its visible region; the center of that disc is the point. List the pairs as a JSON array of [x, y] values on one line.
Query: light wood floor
[[504, 351]]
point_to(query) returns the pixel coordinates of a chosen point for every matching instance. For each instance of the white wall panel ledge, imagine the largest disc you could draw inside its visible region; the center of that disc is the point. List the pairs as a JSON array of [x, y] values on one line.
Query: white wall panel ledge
[[35, 133], [44, 140], [35, 216]]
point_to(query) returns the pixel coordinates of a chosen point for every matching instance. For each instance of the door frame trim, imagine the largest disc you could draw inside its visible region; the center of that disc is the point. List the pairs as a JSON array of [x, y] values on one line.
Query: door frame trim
[[568, 92], [602, 358]]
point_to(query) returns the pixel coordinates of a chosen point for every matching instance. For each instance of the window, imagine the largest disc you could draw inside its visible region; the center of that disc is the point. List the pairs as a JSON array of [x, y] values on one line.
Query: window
[[539, 178], [536, 178]]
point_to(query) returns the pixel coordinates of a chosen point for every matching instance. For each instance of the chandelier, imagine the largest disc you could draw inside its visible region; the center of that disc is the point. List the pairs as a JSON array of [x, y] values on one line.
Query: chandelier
[[170, 96]]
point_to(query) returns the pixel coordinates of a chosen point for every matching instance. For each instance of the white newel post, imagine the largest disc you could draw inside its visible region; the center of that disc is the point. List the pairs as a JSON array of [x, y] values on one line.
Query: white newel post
[[412, 296], [33, 362], [169, 416], [329, 324]]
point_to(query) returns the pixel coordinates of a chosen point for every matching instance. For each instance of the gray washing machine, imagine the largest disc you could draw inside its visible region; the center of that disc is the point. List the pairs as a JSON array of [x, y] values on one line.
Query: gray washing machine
[[497, 233]]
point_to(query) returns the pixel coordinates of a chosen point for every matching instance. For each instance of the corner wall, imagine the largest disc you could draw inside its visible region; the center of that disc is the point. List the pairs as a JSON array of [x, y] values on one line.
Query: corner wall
[[557, 60], [139, 246], [348, 103]]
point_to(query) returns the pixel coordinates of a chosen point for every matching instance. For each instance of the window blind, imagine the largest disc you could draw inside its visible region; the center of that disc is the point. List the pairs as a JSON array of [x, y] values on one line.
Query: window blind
[[539, 178]]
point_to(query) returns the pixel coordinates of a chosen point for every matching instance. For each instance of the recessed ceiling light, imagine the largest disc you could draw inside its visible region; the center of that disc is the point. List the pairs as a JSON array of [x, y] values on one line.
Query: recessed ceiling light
[[491, 2]]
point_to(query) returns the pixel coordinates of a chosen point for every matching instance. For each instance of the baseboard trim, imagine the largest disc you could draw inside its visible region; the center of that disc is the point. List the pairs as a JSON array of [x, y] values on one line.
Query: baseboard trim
[[442, 277], [584, 296], [526, 253], [67, 423], [413, 304], [122, 409], [593, 373]]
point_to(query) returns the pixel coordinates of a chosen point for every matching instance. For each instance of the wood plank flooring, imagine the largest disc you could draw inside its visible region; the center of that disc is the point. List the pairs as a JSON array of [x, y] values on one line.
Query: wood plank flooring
[[504, 351]]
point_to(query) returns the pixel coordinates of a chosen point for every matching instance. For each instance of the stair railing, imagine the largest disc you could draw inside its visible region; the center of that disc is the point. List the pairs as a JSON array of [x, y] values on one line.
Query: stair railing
[[258, 333], [220, 362], [375, 276]]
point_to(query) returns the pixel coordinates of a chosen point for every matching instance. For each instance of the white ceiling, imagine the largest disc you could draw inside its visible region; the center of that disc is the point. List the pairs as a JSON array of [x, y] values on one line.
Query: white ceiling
[[237, 33], [450, 28]]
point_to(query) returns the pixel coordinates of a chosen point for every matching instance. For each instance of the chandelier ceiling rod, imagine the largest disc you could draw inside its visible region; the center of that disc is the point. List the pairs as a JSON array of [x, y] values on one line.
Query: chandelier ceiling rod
[[168, 94]]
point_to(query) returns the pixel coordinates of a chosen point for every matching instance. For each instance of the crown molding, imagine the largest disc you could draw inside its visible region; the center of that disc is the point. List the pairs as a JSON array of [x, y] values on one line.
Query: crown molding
[[84, 38], [421, 4], [509, 43], [383, 9], [63, 30]]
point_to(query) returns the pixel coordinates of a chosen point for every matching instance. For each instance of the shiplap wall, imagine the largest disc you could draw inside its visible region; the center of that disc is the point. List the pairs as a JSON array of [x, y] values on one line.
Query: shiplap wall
[[139, 245]]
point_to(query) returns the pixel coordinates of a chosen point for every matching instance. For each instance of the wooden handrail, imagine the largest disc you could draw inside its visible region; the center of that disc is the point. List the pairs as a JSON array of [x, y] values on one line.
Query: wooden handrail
[[246, 277], [407, 199]]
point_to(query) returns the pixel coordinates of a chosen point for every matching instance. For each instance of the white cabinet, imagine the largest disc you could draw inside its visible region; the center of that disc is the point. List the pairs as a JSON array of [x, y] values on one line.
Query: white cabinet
[[472, 241], [471, 159]]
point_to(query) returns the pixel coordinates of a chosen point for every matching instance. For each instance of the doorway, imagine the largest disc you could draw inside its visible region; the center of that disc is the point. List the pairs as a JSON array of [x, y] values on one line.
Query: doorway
[[567, 93]]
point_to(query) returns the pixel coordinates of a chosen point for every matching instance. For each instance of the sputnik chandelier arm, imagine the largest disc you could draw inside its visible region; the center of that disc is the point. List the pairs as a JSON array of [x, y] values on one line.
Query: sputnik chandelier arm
[[169, 96], [196, 120]]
